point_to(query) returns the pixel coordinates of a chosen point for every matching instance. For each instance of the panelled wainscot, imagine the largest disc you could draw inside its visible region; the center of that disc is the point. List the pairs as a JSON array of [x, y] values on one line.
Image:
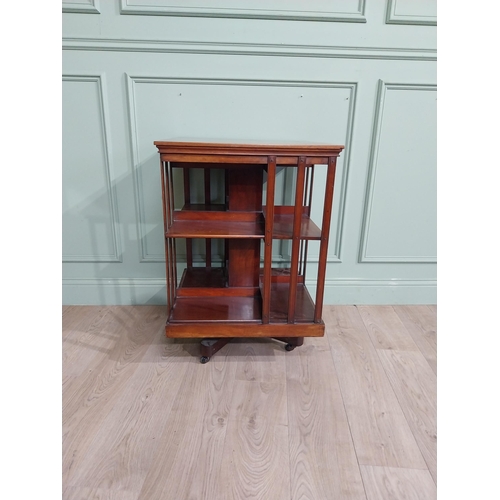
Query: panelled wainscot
[[243, 297]]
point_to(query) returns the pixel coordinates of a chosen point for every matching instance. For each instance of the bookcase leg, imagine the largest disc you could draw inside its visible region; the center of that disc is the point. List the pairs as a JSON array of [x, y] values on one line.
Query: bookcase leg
[[209, 347], [291, 342]]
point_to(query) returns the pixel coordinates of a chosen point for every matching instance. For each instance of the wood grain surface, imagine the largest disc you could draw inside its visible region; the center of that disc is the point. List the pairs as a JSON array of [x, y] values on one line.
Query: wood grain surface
[[388, 483], [255, 461], [414, 383], [386, 329], [347, 416], [323, 462], [420, 321], [379, 428]]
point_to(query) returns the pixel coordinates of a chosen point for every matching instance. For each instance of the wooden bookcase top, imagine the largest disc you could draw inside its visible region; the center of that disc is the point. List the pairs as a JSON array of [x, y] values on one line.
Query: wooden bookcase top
[[246, 153]]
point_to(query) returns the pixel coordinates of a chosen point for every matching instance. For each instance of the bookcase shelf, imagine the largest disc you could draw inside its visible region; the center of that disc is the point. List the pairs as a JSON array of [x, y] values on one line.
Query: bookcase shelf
[[244, 295]]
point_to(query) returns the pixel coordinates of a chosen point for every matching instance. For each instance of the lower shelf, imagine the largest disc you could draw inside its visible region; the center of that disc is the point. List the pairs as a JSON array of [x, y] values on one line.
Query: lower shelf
[[206, 307], [216, 309], [304, 306]]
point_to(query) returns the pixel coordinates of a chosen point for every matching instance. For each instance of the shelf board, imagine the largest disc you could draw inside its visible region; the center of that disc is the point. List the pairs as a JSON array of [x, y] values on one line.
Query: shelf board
[[215, 229], [211, 282], [283, 223], [204, 277], [216, 310], [283, 228], [215, 212], [201, 207], [304, 306], [280, 275]]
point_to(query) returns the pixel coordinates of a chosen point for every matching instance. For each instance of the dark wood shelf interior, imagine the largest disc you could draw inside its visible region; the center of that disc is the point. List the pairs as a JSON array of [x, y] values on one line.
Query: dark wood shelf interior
[[283, 228], [215, 221], [217, 309], [204, 277], [215, 229], [280, 289], [204, 295]]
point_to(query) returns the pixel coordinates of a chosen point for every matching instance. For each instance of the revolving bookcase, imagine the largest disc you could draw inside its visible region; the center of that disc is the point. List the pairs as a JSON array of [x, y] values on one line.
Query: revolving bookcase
[[242, 294]]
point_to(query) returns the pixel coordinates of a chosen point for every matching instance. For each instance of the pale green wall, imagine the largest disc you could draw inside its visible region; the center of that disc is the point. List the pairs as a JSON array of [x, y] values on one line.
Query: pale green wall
[[347, 72]]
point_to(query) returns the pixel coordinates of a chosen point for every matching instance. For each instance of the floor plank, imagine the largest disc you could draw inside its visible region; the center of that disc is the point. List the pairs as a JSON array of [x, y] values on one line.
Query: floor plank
[[385, 483], [420, 322], [76, 319], [85, 493], [120, 456], [379, 428], [190, 447], [386, 329], [255, 460], [323, 463], [84, 342], [89, 398], [415, 386]]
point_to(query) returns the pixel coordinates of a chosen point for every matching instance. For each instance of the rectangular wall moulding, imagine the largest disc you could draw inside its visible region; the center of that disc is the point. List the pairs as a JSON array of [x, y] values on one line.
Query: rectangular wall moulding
[[314, 10]]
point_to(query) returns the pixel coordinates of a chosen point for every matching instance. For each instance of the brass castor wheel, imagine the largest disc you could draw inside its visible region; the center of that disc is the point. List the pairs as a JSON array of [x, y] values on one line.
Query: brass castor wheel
[[289, 347], [204, 359]]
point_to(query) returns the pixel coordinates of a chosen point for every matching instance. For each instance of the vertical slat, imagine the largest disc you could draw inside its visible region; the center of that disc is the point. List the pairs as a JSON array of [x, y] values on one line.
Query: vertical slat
[[268, 238], [325, 233], [226, 202], [187, 201], [165, 181], [208, 241], [170, 210], [173, 256], [297, 220], [165, 225], [301, 257], [163, 197], [309, 202], [170, 178], [306, 186], [304, 263]]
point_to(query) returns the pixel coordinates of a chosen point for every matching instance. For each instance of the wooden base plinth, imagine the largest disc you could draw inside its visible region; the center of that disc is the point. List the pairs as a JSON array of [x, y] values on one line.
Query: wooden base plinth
[[224, 330]]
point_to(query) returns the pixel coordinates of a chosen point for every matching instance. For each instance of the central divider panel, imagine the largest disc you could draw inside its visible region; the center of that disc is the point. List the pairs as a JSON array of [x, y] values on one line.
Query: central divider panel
[[244, 195]]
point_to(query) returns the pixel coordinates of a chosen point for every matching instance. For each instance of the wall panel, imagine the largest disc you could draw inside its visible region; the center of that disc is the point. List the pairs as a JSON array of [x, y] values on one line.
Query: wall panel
[[274, 72], [400, 214], [90, 227]]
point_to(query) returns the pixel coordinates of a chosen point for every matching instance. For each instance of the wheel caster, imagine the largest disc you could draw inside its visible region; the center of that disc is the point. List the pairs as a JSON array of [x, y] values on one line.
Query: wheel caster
[[289, 347], [204, 359]]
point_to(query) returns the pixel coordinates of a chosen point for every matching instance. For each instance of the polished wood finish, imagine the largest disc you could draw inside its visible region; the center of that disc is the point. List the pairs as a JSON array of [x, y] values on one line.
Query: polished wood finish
[[197, 329], [193, 149], [325, 234], [142, 419], [297, 219], [268, 239], [243, 298], [215, 229]]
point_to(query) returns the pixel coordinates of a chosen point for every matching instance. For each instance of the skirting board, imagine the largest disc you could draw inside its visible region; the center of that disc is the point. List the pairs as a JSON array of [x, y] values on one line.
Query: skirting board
[[337, 292]]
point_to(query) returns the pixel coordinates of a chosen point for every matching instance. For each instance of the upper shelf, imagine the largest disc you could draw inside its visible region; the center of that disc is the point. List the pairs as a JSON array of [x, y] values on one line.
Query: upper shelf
[[215, 229], [214, 221]]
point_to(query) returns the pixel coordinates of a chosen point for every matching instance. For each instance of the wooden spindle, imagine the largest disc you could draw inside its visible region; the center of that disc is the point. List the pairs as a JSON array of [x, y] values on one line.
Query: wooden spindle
[[268, 239], [325, 234], [297, 221]]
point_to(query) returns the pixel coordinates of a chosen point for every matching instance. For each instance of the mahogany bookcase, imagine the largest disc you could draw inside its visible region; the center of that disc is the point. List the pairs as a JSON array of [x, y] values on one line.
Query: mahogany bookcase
[[245, 296]]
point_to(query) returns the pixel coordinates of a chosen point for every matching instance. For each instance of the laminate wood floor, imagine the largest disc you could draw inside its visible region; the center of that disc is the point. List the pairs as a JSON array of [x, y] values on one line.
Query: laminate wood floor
[[351, 415]]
